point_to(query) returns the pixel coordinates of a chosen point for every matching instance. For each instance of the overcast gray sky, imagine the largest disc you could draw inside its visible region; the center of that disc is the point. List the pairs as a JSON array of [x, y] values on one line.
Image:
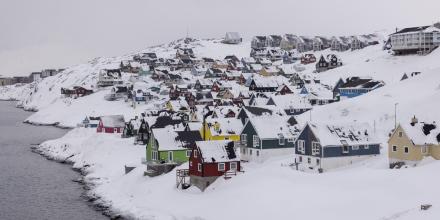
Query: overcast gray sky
[[37, 34]]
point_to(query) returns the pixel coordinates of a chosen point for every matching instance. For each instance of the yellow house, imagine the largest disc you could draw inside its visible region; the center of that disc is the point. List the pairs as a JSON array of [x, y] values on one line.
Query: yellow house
[[269, 71], [221, 129], [177, 105], [412, 142]]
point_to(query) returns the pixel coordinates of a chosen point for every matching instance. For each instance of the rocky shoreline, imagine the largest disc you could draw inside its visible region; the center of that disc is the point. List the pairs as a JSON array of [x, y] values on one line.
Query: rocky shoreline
[[94, 200]]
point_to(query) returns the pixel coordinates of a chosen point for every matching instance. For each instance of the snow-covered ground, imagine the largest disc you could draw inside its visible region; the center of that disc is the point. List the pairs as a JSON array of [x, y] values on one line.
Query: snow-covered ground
[[271, 190]]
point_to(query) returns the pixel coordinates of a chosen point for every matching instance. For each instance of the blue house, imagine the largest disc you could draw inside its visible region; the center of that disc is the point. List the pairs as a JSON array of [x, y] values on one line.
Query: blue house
[[320, 147], [356, 86], [268, 136]]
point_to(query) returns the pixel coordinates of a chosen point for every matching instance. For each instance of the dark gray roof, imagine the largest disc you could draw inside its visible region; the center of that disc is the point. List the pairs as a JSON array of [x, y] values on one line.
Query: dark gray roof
[[412, 29]]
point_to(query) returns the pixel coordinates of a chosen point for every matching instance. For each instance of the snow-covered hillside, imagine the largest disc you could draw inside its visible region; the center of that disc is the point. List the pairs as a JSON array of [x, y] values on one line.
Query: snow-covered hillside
[[270, 190], [52, 108]]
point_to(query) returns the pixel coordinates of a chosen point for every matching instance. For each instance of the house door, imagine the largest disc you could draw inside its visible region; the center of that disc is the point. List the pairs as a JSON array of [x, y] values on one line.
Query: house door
[[170, 156]]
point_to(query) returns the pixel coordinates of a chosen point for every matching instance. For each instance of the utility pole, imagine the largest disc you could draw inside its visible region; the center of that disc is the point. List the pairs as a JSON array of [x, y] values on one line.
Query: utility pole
[[395, 115]]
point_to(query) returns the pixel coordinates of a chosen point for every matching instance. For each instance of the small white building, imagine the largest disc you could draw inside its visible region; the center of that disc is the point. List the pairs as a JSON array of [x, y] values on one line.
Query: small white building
[[232, 38]]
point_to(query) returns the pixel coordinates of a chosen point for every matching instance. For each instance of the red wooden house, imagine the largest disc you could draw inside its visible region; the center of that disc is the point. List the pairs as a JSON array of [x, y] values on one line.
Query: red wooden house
[[111, 124], [212, 159], [283, 90], [308, 58], [76, 91]]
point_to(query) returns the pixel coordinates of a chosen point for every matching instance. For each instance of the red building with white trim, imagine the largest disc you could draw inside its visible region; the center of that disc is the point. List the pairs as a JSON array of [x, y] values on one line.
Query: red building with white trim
[[111, 124], [212, 159]]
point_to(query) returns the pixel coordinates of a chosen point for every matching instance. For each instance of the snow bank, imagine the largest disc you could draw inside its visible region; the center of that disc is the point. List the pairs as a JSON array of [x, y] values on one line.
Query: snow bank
[[368, 190]]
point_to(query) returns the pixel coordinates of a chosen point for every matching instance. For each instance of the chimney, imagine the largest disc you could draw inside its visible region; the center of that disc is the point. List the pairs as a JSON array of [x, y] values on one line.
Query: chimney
[[414, 120]]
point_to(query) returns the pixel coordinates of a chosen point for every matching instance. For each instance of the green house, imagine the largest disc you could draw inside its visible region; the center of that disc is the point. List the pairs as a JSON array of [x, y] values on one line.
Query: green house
[[168, 146]]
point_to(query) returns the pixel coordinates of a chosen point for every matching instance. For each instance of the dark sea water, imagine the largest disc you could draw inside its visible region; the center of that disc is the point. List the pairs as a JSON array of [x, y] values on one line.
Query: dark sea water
[[32, 187]]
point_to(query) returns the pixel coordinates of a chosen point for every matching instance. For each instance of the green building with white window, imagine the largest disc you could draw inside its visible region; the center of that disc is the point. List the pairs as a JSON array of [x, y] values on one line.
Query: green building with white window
[[169, 147]]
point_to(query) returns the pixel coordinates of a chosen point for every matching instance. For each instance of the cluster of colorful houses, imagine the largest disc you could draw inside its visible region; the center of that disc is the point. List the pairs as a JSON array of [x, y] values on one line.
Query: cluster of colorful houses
[[218, 141], [216, 115]]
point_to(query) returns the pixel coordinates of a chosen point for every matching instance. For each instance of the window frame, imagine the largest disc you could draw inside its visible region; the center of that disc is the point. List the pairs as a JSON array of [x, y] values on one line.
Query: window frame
[[406, 150], [199, 167], [316, 150], [301, 146], [394, 148], [243, 138], [218, 167], [233, 167], [281, 140], [255, 141], [188, 153]]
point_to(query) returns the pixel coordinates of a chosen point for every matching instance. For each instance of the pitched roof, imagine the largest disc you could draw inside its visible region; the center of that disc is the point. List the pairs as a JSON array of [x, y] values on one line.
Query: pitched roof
[[270, 127], [290, 101], [357, 82], [218, 151], [422, 132], [113, 121], [337, 135]]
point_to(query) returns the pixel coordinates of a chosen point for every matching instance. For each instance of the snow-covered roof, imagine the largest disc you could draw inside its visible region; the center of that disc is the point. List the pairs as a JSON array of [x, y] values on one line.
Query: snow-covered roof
[[270, 127], [224, 126], [167, 138], [113, 121], [290, 101], [274, 81], [319, 91], [232, 35], [422, 132], [218, 151], [332, 135], [361, 83]]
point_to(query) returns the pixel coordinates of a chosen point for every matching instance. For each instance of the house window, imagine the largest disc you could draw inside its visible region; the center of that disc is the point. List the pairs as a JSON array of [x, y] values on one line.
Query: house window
[[315, 148], [199, 167], [406, 150], [170, 156], [154, 155], [281, 141], [233, 166], [221, 167], [301, 147], [256, 141], [300, 159], [317, 161], [244, 138], [400, 134], [188, 153], [309, 160], [355, 147], [195, 153], [290, 140], [258, 153], [345, 148], [394, 148]]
